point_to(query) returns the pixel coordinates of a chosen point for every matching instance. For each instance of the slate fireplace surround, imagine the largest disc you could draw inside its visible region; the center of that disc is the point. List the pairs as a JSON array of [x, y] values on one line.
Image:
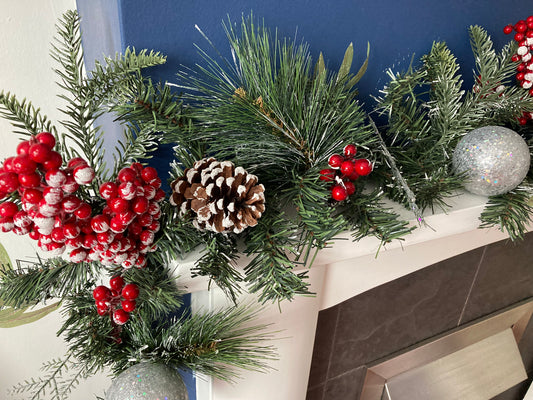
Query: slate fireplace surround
[[372, 325]]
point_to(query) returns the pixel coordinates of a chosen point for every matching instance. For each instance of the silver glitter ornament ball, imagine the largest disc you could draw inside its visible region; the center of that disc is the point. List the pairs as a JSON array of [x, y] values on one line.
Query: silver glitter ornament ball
[[494, 160], [148, 381]]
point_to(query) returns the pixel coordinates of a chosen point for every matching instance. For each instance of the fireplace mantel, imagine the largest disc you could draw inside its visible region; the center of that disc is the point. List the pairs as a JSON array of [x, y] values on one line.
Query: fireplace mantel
[[342, 271]]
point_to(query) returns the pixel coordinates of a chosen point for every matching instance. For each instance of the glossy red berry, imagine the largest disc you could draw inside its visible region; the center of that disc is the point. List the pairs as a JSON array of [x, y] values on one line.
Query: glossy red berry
[[518, 37], [521, 27], [347, 168], [101, 293], [508, 29], [32, 196], [84, 211], [31, 180], [118, 205], [522, 120], [128, 305], [126, 175], [23, 147], [9, 182], [338, 193], [102, 310], [120, 317], [116, 283], [327, 175], [350, 150], [8, 209], [23, 164], [46, 138], [130, 291], [39, 152], [515, 58], [54, 161], [363, 167], [350, 188], [335, 161], [149, 174], [140, 205]]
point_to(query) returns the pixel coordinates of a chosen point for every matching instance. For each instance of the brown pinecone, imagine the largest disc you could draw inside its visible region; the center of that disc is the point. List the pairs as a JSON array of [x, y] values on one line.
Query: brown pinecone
[[224, 198]]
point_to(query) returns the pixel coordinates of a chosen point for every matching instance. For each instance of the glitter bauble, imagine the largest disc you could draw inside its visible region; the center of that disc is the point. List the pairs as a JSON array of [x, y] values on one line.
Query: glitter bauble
[[148, 381], [493, 159]]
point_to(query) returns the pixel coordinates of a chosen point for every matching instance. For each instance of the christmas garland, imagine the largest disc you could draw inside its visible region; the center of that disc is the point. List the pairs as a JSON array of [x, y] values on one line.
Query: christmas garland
[[274, 157]]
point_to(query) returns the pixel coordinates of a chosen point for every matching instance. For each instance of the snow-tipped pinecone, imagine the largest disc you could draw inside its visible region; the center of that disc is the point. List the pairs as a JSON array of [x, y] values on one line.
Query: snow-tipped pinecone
[[223, 198]]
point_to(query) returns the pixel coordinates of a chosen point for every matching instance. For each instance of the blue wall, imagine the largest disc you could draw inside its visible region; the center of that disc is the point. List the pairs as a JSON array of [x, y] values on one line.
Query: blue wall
[[395, 29]]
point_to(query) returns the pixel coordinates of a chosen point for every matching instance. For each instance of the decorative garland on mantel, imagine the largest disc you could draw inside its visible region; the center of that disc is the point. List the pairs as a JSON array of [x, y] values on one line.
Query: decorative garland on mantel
[[274, 158]]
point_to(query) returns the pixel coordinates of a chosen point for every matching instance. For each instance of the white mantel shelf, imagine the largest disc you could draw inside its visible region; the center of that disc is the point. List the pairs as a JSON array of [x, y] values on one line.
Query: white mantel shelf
[[340, 272]]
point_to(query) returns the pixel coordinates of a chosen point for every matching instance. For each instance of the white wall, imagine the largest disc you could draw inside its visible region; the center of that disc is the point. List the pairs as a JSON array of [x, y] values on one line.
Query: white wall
[[26, 29]]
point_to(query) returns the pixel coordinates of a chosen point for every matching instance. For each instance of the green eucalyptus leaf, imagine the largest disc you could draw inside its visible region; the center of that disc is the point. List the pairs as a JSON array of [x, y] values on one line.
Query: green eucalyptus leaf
[[361, 71], [5, 262], [10, 318], [346, 65]]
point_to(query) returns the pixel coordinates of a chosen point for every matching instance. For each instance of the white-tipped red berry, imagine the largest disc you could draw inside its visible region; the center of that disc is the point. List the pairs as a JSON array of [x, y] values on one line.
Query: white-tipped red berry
[[83, 174], [52, 195], [108, 190], [100, 223], [55, 177]]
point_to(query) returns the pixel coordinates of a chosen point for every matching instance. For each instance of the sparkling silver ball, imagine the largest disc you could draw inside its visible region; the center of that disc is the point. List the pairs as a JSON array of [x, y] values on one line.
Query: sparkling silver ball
[[148, 381], [494, 160]]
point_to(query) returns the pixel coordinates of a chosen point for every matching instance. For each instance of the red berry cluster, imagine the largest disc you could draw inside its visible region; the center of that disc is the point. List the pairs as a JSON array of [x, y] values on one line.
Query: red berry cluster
[[126, 228], [117, 300], [523, 56], [49, 212], [345, 169]]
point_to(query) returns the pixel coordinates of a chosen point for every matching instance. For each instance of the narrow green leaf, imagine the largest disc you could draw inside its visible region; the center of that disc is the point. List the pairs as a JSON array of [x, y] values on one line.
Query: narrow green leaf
[[320, 66], [361, 71], [5, 262], [346, 65], [9, 313], [28, 317]]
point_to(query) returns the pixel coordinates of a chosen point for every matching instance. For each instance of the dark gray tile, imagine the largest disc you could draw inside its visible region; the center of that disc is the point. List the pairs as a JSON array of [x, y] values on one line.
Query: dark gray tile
[[316, 393], [505, 277], [403, 312], [347, 386], [325, 332]]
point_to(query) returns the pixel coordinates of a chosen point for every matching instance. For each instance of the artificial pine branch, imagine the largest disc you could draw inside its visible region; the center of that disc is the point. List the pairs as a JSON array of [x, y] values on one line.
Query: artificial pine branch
[[42, 280], [209, 343], [368, 217], [275, 249], [218, 262], [57, 382], [24, 117], [422, 134], [280, 117], [510, 212]]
